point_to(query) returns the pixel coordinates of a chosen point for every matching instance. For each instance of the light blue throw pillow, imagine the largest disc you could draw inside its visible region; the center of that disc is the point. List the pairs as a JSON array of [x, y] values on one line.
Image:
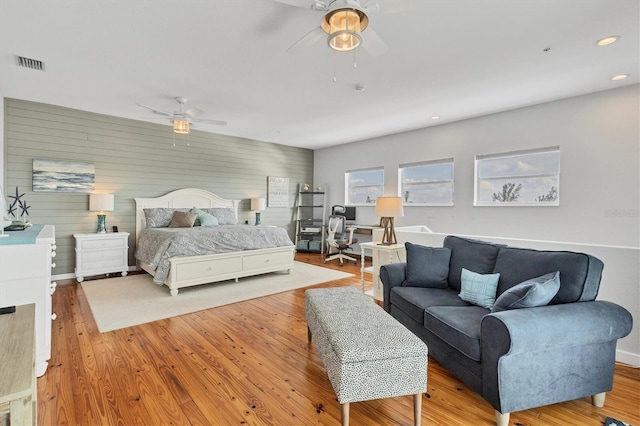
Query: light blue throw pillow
[[479, 289], [529, 294], [205, 218]]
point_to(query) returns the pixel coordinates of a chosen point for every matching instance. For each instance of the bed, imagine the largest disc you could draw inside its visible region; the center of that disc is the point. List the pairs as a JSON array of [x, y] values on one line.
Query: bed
[[177, 270]]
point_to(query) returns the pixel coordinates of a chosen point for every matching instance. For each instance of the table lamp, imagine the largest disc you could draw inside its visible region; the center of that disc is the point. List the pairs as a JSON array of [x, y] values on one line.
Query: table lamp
[[258, 205], [101, 203], [387, 208]]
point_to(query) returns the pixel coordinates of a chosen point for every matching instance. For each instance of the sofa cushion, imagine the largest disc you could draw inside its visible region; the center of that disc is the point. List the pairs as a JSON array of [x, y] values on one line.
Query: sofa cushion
[[580, 273], [414, 300], [479, 289], [474, 255], [427, 266], [529, 294], [458, 326]]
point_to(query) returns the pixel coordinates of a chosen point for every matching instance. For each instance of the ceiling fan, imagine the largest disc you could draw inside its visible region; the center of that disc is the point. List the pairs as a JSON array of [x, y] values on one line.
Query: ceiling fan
[[343, 25], [183, 118]]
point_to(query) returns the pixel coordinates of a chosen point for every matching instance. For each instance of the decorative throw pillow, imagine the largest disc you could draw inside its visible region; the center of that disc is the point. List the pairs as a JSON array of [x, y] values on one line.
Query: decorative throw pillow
[[183, 220], [427, 266], [479, 289], [529, 294], [204, 218]]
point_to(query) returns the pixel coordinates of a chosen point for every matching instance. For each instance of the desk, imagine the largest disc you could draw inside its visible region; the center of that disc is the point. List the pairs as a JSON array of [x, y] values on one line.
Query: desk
[[381, 255]]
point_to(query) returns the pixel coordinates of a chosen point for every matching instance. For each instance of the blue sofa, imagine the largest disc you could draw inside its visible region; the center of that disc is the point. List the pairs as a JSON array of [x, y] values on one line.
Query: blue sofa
[[531, 336]]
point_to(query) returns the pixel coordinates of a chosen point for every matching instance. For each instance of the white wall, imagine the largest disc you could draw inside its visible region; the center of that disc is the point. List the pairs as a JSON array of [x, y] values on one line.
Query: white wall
[[599, 139], [598, 135]]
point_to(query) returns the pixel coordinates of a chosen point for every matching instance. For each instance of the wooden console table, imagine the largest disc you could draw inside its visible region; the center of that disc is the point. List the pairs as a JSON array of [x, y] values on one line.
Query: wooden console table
[[18, 397]]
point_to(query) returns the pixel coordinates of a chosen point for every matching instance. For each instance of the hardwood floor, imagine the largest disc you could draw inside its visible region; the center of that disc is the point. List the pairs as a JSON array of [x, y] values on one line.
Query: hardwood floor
[[249, 364]]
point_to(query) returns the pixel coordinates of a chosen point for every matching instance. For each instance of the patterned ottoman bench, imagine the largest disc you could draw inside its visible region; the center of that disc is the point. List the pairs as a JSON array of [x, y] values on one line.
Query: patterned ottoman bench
[[366, 352]]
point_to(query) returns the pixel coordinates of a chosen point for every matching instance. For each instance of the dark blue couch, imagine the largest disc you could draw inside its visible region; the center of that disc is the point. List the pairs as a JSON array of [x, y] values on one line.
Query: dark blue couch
[[516, 358]]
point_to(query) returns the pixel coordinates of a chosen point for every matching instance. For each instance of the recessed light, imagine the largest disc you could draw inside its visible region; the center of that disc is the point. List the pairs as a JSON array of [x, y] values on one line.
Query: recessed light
[[435, 117], [607, 40], [619, 77]]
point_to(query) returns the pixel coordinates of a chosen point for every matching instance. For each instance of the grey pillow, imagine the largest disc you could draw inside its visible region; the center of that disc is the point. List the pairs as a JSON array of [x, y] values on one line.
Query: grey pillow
[[225, 215], [160, 217], [427, 266], [529, 294]]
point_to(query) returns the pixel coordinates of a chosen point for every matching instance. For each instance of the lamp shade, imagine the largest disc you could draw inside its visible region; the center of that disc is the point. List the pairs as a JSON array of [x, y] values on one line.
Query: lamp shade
[[101, 202], [258, 204], [389, 207]]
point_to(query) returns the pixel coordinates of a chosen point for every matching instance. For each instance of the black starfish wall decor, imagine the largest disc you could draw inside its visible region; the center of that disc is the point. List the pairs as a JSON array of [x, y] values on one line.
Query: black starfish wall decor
[[18, 202]]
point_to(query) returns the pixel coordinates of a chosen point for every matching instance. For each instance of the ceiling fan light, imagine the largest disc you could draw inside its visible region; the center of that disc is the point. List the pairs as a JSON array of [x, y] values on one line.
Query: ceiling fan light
[[344, 27], [181, 127]]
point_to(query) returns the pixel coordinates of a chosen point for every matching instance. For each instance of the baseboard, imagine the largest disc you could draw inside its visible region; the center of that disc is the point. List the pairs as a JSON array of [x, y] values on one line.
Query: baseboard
[[628, 358]]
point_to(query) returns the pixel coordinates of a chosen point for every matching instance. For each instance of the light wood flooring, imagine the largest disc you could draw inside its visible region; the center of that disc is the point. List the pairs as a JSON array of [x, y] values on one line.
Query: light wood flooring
[[249, 364]]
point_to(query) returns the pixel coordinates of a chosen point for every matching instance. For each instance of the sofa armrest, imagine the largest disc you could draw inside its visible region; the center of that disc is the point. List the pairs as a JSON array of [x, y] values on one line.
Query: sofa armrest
[[566, 349], [391, 275]]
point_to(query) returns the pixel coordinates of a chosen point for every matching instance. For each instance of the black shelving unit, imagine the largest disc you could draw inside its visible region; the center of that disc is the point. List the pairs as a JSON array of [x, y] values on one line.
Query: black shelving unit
[[311, 220]]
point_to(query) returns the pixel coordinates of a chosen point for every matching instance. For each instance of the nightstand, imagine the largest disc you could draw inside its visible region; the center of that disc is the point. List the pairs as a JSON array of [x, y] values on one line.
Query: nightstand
[[98, 254]]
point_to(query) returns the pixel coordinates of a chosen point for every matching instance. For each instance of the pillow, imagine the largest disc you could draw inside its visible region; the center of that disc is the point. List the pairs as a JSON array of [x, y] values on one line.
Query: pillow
[[427, 266], [204, 218], [478, 289], [183, 219], [225, 215], [529, 294], [159, 217]]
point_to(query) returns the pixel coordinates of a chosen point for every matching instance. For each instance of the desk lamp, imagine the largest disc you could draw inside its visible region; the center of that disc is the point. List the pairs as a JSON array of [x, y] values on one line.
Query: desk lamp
[[387, 208]]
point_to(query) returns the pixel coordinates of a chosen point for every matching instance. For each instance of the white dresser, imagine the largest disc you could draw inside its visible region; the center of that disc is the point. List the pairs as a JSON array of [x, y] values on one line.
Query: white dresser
[[25, 277], [98, 254]]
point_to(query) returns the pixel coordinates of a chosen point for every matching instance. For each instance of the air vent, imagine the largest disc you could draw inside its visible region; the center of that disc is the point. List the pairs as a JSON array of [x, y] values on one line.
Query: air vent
[[33, 64]]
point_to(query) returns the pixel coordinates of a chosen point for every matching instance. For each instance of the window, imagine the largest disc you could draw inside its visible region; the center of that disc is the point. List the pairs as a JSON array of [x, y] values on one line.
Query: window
[[428, 184], [364, 186], [524, 178]]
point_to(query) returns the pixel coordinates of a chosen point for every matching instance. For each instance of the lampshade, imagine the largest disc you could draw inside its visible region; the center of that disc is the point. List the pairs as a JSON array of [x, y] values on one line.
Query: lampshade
[[258, 204], [101, 202], [389, 207], [344, 27], [181, 126]]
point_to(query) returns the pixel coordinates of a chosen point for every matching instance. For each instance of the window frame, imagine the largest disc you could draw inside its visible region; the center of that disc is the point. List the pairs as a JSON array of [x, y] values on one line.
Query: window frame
[[347, 186], [531, 153], [401, 182]]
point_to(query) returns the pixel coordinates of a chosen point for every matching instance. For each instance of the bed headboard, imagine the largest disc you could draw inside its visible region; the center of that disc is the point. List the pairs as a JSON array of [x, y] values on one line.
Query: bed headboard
[[181, 198]]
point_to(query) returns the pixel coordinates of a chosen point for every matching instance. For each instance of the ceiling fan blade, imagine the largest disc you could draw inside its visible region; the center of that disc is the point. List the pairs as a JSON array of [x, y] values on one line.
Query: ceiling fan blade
[[156, 111], [306, 4], [307, 40], [216, 122], [193, 111], [372, 43]]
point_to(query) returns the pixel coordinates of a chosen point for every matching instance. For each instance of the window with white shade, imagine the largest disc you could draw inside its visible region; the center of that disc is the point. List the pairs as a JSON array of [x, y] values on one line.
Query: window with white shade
[[523, 178], [426, 184], [364, 186]]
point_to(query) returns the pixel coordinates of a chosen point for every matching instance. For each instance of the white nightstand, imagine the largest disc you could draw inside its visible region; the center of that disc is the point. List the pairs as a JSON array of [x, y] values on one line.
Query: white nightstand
[[382, 255], [98, 254]]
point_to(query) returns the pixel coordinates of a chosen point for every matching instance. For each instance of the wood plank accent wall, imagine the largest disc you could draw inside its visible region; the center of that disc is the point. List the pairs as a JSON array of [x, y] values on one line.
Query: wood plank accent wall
[[137, 159]]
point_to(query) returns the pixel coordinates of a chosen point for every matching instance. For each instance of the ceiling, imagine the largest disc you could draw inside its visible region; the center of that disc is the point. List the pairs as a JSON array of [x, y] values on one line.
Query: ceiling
[[452, 58]]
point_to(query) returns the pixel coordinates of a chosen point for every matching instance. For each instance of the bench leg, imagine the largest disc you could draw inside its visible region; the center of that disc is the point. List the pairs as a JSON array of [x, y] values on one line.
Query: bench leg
[[417, 408], [308, 335], [502, 419], [344, 411]]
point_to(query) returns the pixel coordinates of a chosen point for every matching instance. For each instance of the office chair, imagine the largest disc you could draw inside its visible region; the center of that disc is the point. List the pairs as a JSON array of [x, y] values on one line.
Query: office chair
[[336, 240]]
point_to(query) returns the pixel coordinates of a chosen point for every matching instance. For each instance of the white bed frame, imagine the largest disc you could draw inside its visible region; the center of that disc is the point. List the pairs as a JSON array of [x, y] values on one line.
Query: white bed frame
[[194, 270]]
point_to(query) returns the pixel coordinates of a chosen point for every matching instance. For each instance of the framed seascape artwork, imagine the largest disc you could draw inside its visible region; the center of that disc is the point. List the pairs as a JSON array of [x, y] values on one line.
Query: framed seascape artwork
[[63, 176]]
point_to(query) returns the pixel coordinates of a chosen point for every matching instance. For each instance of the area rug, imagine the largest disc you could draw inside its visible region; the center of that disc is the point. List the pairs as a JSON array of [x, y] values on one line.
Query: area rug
[[126, 301]]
